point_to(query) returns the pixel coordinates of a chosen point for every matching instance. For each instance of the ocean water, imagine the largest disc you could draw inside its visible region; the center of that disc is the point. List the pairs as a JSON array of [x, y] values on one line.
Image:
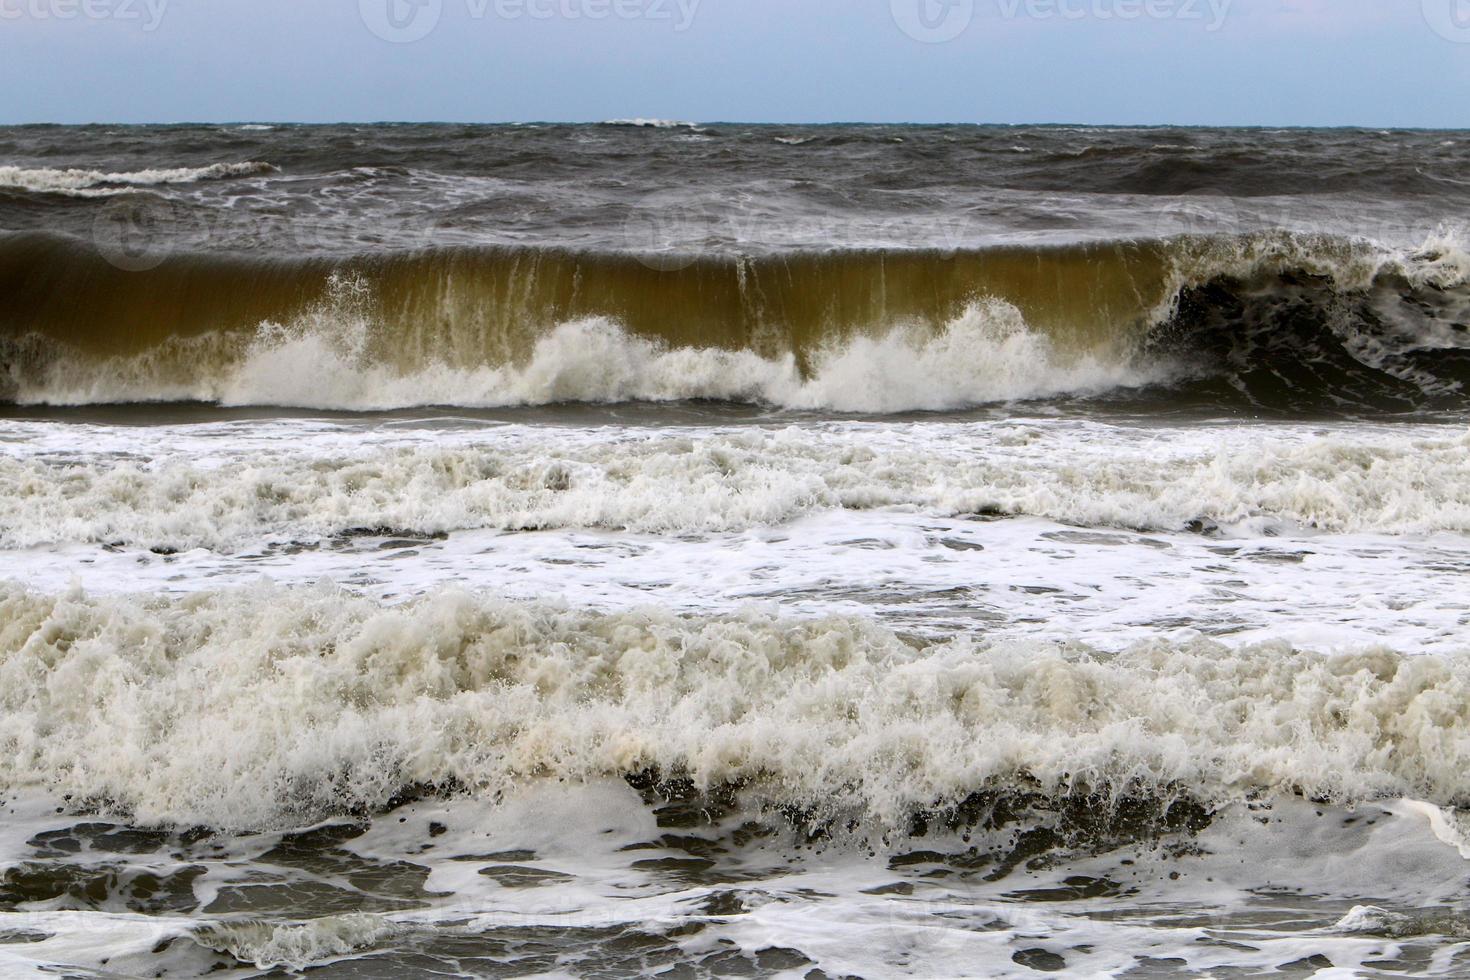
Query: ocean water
[[734, 551]]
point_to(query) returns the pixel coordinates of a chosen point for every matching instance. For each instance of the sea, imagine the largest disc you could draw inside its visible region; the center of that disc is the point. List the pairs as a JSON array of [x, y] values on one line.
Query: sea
[[717, 550]]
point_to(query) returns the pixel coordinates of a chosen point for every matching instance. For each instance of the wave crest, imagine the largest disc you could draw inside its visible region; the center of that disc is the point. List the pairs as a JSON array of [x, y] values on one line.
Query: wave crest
[[333, 704], [97, 183]]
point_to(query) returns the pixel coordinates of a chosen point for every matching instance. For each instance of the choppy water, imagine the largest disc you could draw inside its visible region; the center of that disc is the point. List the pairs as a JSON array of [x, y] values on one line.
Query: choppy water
[[723, 551]]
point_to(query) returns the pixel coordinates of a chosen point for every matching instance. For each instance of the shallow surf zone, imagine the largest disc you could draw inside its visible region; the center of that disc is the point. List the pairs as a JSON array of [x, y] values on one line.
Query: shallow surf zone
[[271, 777], [337, 704], [620, 879], [1272, 321], [230, 487]]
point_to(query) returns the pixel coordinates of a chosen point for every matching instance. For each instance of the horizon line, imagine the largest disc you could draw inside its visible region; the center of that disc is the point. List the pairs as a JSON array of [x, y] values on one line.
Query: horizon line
[[650, 122]]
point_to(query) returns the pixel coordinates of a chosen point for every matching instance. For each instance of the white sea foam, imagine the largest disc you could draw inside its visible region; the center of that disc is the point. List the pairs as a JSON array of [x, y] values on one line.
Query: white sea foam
[[643, 123], [325, 359], [849, 913], [298, 945], [189, 489], [264, 706], [97, 183]]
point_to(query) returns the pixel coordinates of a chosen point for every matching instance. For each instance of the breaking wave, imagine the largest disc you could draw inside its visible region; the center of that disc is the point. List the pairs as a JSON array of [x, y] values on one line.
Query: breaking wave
[[297, 945], [266, 707], [1274, 322], [641, 123], [97, 183]]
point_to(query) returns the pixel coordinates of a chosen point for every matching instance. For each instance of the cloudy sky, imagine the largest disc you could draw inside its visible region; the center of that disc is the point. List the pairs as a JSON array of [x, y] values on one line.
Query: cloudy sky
[[1257, 62]]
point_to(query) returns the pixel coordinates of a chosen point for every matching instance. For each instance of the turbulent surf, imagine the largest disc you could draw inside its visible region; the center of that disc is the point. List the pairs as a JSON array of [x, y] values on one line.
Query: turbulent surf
[[718, 550]]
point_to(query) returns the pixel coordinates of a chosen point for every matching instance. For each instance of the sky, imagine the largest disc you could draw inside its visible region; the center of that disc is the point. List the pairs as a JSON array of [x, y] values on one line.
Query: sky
[[1377, 63]]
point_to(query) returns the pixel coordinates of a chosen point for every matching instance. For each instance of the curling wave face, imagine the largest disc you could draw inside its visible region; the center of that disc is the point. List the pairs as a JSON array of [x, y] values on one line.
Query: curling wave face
[[335, 704], [1266, 322]]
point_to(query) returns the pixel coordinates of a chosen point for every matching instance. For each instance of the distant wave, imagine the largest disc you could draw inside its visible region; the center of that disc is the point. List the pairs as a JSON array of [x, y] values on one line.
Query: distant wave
[[96, 183], [652, 123]]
